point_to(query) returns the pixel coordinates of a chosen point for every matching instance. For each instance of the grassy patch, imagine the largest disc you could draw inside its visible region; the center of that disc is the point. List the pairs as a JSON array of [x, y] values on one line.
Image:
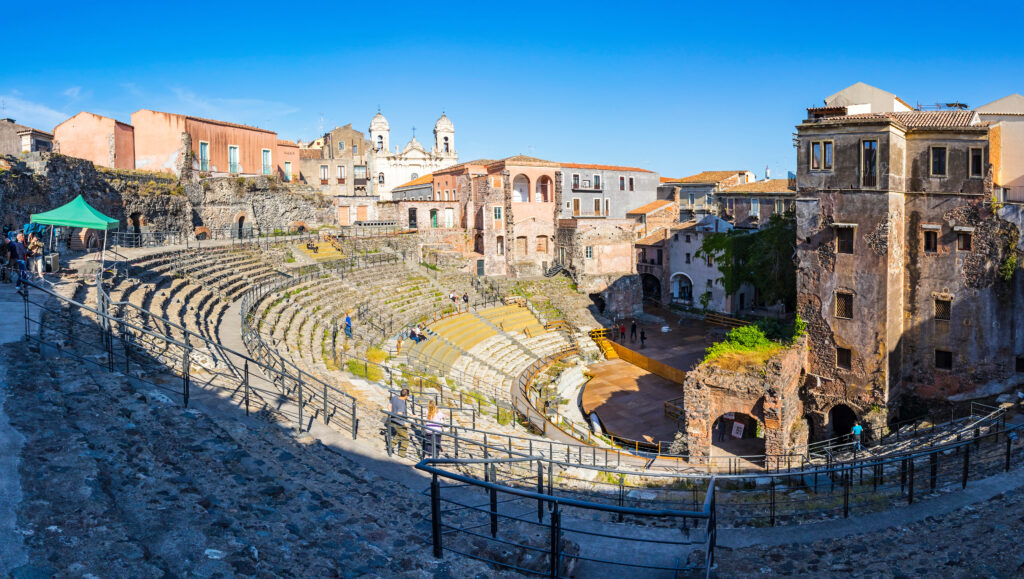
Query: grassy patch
[[743, 347]]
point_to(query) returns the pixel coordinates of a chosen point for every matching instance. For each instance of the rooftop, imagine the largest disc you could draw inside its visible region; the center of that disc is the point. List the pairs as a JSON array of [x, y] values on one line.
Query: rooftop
[[765, 186], [656, 237], [651, 207], [954, 119], [706, 177], [604, 167], [461, 166], [214, 122], [428, 178], [522, 160]]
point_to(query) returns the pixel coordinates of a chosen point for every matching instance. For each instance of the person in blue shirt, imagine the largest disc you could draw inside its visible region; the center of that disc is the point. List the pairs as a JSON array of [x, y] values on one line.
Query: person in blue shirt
[[348, 326], [857, 429]]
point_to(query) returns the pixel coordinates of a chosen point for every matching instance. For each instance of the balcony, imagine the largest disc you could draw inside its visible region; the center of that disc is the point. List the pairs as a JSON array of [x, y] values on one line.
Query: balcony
[[359, 182], [341, 181], [234, 168], [325, 181], [651, 268], [586, 185]]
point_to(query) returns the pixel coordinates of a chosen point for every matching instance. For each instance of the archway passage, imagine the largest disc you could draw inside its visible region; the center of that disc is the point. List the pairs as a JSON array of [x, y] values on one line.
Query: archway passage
[[735, 434], [682, 288], [651, 286], [521, 189], [241, 226], [841, 420]]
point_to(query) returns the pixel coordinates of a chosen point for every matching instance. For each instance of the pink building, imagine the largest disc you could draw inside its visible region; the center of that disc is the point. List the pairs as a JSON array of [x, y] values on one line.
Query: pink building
[[217, 147], [105, 141]]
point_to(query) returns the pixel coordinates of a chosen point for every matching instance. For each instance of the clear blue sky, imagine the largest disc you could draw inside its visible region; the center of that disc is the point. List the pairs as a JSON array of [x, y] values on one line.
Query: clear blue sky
[[674, 88]]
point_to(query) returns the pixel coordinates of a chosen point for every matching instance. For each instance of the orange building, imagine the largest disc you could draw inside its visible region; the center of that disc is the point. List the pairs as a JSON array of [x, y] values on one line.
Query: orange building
[[105, 141], [218, 147]]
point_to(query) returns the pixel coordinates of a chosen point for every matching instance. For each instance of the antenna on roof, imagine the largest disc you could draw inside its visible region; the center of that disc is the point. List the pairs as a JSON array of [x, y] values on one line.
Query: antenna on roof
[[414, 132]]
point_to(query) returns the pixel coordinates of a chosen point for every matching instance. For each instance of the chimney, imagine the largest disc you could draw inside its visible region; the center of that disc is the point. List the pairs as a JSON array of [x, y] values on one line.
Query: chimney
[[675, 195], [767, 173]]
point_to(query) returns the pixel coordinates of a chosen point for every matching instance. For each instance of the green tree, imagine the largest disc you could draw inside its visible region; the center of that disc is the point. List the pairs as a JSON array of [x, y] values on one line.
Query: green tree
[[762, 258]]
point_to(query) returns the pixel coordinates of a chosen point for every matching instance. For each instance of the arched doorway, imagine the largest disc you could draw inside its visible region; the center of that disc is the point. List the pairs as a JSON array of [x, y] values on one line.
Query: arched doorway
[[651, 286], [544, 189], [682, 287], [841, 420], [737, 434], [241, 226], [521, 189]]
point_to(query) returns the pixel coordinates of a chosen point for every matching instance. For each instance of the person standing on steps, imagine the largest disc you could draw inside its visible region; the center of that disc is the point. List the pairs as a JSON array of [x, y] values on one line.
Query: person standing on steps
[[632, 331], [857, 429], [643, 338], [348, 325], [432, 432], [399, 426], [19, 253]]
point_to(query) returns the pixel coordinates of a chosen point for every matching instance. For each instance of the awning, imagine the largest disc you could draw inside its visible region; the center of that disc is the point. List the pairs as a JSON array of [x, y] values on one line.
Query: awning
[[77, 213]]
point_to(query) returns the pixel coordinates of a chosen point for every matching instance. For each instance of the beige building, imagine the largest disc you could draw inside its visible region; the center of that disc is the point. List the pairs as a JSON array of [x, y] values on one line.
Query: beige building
[[105, 141]]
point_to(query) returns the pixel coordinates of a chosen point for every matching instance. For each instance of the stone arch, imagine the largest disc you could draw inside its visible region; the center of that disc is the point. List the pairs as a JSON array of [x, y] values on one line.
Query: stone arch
[[545, 189], [651, 286], [841, 419], [136, 221], [298, 226], [682, 287], [735, 433], [239, 223], [521, 189], [202, 233]]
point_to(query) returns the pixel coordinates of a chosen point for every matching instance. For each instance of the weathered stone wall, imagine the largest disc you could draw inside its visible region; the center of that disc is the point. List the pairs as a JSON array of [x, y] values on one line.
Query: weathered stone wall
[[769, 393], [219, 202]]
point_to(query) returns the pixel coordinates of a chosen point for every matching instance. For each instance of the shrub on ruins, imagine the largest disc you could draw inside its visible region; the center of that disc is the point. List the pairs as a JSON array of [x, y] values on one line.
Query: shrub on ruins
[[746, 346], [762, 258]]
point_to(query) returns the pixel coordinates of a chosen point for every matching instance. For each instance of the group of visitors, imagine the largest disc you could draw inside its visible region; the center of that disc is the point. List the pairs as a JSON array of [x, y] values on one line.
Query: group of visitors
[[632, 333], [21, 257], [432, 428], [416, 334], [454, 296], [312, 247]]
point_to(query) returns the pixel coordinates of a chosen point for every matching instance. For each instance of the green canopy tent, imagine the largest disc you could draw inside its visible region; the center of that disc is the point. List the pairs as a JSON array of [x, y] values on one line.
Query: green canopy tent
[[78, 213]]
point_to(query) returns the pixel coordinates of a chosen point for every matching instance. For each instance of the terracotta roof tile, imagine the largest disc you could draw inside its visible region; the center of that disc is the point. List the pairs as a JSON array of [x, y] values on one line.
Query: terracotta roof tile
[[656, 237], [522, 160], [604, 167], [651, 207], [767, 186], [912, 119], [428, 178], [707, 177], [286, 143]]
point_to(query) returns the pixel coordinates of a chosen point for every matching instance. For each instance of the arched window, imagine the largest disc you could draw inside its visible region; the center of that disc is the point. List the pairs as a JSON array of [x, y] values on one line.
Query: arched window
[[446, 145], [380, 142], [380, 178]]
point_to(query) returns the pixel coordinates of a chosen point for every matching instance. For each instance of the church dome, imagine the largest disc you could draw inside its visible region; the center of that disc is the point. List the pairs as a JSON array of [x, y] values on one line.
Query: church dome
[[379, 123], [444, 124]]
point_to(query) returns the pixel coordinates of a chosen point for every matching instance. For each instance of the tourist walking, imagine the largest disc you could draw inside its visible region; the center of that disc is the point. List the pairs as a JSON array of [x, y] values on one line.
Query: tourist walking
[[622, 333], [399, 424], [857, 429], [643, 338], [632, 331], [348, 326], [465, 298], [432, 431]]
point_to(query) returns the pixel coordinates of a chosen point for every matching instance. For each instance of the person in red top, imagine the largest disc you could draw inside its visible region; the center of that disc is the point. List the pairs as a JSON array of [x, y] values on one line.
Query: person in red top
[[622, 332]]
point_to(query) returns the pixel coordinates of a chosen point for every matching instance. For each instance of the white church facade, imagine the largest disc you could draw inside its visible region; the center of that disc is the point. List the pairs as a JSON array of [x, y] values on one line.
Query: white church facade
[[392, 168]]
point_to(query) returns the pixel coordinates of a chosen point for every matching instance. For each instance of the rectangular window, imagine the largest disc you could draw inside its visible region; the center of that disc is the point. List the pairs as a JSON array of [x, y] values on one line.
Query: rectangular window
[[709, 284], [869, 163], [710, 261], [607, 207], [977, 156], [233, 166], [575, 181], [755, 208], [821, 156], [687, 258], [204, 156], [844, 240], [597, 206], [575, 206], [359, 172], [597, 181], [963, 241], [691, 199], [496, 182], [590, 252], [324, 174], [622, 183], [943, 360], [630, 183], [355, 149], [844, 305], [497, 217], [844, 358], [943, 309], [938, 161], [779, 206], [341, 146], [287, 170], [687, 238], [931, 241]]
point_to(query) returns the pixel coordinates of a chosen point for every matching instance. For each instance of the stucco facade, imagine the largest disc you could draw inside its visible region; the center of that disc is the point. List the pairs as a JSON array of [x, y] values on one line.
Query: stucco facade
[[608, 191], [392, 167], [105, 141], [16, 139]]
